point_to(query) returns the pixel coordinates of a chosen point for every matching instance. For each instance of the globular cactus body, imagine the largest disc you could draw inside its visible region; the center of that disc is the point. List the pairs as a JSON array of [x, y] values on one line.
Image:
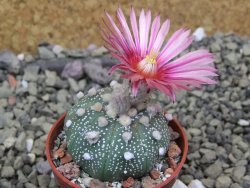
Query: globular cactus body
[[110, 146]]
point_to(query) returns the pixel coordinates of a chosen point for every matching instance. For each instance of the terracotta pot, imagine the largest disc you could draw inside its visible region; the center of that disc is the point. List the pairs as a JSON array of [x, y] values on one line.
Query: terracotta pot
[[65, 183]]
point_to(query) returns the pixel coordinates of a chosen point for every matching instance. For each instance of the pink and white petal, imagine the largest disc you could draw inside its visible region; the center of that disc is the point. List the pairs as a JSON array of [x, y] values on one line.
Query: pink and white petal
[[119, 66], [113, 36], [125, 28], [135, 29], [164, 88], [186, 69], [117, 33], [132, 76], [135, 87], [176, 44], [161, 36], [198, 58], [142, 30], [154, 31], [148, 23]]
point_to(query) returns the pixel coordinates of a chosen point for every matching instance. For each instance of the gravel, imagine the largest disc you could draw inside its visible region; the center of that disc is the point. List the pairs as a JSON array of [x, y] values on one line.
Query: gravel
[[216, 118]]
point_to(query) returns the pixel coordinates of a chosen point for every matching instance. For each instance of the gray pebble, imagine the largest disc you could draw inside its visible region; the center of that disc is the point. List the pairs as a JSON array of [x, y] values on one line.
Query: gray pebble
[[31, 73], [9, 142], [9, 61], [30, 185], [223, 182], [45, 53], [213, 171], [43, 180], [21, 177], [32, 177], [43, 167], [21, 142], [18, 163], [246, 181], [7, 172], [238, 173], [51, 78], [208, 182], [246, 49]]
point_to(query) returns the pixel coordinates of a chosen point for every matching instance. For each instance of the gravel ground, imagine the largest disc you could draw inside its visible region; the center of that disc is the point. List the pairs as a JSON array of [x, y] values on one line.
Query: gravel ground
[[36, 90]]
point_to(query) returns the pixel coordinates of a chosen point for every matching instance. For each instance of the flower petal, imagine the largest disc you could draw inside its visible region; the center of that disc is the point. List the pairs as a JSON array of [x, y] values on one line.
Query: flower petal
[[135, 29], [125, 28], [179, 41], [116, 33], [161, 36], [154, 30]]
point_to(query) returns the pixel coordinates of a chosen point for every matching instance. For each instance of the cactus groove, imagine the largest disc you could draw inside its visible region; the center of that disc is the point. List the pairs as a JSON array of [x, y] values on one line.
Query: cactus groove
[[114, 147]]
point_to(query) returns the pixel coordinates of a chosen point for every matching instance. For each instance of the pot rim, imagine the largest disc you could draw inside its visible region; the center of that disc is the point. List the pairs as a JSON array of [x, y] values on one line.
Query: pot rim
[[57, 174]]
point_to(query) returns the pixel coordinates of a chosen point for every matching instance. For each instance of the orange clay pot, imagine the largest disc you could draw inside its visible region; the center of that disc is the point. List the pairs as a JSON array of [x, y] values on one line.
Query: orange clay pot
[[65, 183]]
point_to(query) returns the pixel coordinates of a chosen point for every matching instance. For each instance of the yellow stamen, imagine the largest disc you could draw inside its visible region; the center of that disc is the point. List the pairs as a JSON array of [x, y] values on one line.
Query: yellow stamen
[[147, 67], [150, 59]]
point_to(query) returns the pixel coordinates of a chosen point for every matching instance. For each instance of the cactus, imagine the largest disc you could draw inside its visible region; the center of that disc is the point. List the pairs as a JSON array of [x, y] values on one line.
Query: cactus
[[113, 137]]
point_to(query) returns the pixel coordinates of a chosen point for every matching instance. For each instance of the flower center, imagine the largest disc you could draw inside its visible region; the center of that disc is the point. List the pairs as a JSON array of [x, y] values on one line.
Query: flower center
[[150, 59], [147, 66]]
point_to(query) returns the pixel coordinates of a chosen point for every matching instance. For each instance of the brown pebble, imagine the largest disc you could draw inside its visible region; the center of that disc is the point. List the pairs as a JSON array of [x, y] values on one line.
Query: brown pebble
[[173, 150], [63, 145], [147, 182], [173, 134], [59, 153], [110, 184], [128, 183], [154, 174], [169, 171], [171, 163], [12, 80], [95, 183], [11, 100], [66, 159]]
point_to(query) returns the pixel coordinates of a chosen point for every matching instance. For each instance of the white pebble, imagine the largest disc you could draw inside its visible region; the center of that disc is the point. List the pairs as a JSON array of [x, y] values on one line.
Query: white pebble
[[86, 156], [169, 117], [243, 122], [57, 49], [125, 171], [68, 123], [79, 95], [92, 92], [179, 184], [199, 34], [32, 157], [126, 136], [102, 122], [29, 144], [144, 120], [162, 151], [20, 57], [128, 156], [196, 184], [80, 112], [24, 84], [156, 135], [113, 83]]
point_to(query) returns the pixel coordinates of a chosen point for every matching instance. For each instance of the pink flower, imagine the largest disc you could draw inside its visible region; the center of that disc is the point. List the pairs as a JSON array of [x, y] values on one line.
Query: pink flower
[[145, 59]]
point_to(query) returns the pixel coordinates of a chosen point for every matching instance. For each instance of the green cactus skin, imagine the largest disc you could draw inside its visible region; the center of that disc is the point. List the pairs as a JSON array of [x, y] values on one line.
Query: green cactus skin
[[111, 156]]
